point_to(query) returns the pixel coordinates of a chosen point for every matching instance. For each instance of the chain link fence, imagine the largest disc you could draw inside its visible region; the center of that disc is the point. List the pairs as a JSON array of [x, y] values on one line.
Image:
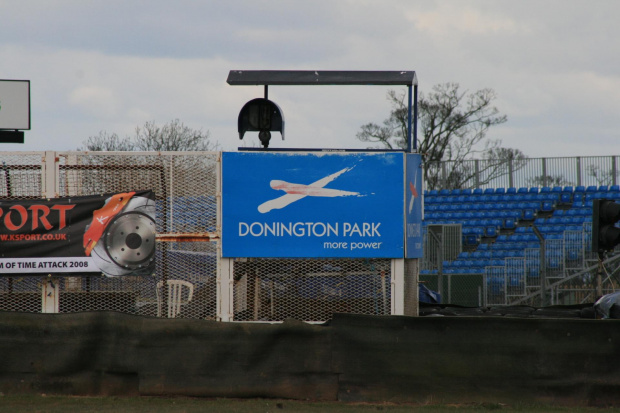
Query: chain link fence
[[186, 188], [310, 289]]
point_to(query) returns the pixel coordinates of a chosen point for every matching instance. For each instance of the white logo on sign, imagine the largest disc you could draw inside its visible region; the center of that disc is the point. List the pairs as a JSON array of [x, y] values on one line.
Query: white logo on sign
[[295, 192]]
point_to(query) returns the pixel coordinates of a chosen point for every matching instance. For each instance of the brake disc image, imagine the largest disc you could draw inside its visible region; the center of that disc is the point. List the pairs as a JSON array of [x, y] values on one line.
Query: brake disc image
[[127, 245]]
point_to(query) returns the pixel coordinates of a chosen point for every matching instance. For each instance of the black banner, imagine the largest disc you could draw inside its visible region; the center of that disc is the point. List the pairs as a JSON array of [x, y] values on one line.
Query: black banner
[[112, 234]]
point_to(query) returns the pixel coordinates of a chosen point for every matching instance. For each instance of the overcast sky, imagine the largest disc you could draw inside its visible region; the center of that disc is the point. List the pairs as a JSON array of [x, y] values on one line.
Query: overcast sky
[[113, 65]]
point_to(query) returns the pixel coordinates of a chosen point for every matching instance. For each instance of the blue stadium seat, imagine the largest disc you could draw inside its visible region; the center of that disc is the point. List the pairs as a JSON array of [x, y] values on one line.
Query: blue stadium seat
[[534, 190], [576, 220], [511, 190], [574, 228], [470, 239], [490, 231], [515, 252], [502, 238], [510, 223], [566, 198], [481, 214], [565, 220], [500, 190], [516, 214], [529, 214], [497, 262], [547, 206], [492, 200], [500, 254]]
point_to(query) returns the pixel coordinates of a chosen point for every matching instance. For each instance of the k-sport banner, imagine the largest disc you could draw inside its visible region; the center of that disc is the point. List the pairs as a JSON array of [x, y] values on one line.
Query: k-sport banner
[[318, 204], [111, 234]]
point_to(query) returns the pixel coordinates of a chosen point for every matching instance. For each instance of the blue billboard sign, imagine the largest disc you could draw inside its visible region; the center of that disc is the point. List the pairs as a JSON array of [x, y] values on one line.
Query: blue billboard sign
[[413, 206], [313, 204]]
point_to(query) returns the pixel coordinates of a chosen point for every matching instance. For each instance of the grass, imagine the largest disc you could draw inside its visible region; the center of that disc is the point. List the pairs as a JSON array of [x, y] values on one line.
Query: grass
[[63, 404]]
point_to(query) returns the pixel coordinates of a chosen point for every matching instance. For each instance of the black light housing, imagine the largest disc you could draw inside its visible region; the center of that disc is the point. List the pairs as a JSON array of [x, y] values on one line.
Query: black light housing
[[263, 116], [605, 235]]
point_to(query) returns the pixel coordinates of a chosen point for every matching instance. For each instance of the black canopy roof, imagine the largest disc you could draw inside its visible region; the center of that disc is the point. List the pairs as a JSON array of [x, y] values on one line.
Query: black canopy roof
[[321, 77]]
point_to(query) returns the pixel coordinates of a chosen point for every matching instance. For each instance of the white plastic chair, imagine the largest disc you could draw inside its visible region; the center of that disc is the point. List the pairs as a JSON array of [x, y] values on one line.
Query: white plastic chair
[[175, 296]]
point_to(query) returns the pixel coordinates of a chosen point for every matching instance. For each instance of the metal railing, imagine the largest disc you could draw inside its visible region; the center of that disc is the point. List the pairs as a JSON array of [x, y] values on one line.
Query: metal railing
[[528, 172]]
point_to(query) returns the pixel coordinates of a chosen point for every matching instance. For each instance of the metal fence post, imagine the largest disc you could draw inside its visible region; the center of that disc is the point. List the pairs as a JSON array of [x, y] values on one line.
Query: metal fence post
[[398, 286], [49, 286], [49, 178]]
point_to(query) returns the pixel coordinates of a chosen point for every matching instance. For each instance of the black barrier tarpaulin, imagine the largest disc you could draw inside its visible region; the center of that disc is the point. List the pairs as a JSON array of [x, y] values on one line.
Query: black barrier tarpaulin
[[113, 234]]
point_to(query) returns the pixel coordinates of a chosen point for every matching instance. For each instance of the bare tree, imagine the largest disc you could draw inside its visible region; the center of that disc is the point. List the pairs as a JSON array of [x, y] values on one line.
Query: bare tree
[[107, 142], [173, 136], [548, 180], [150, 171], [454, 127], [601, 176]]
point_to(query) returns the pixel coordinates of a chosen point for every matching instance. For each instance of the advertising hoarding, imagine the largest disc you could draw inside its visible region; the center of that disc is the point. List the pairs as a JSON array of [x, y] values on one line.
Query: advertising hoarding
[[413, 206], [313, 204], [111, 234]]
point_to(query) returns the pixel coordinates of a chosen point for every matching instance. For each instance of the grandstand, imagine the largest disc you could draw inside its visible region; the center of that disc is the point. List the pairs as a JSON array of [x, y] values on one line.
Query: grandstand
[[507, 246]]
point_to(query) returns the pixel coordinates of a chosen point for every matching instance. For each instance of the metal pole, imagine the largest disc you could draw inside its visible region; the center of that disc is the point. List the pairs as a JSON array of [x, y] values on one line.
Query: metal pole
[[409, 123], [542, 266], [415, 118], [599, 278]]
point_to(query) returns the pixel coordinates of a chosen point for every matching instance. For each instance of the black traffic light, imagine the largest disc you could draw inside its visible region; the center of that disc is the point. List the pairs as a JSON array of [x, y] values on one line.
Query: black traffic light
[[605, 235]]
